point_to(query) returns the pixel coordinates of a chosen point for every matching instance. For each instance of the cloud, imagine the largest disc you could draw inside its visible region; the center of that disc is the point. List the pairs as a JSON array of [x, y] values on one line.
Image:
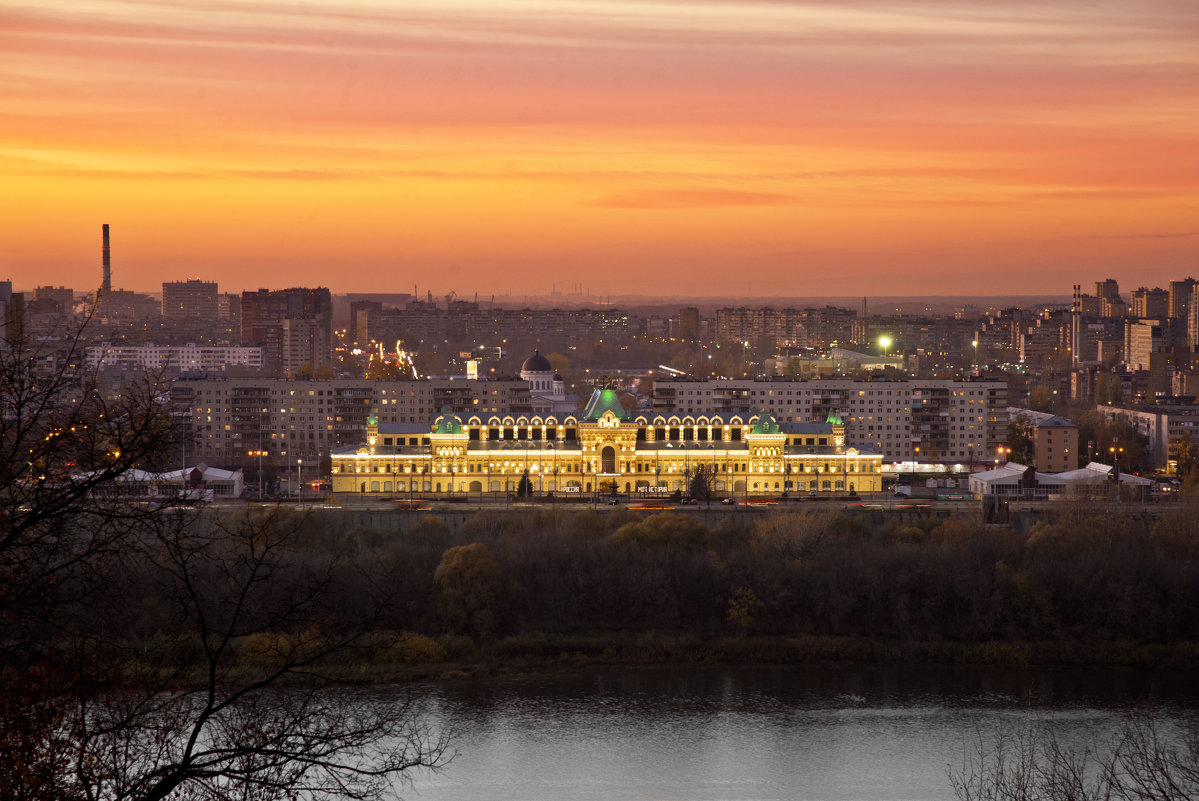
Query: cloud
[[693, 199], [1159, 235]]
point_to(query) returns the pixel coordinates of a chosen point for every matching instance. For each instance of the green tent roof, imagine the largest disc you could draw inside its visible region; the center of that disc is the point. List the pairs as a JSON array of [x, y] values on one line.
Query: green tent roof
[[766, 424], [604, 400], [448, 422]]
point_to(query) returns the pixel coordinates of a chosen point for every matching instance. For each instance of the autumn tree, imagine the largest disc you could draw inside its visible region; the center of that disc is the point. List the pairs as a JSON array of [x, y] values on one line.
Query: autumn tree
[[1187, 456], [1040, 398], [1019, 440], [469, 580]]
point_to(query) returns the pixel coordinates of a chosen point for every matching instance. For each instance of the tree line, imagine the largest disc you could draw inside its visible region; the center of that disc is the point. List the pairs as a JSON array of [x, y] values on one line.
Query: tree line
[[1086, 578]]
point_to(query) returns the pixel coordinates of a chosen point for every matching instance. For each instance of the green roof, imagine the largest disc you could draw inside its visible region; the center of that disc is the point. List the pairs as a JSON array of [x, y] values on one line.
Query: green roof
[[834, 418], [766, 424], [604, 400], [448, 422]]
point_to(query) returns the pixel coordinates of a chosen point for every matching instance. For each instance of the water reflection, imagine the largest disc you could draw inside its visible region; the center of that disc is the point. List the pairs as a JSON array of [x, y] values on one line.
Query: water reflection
[[875, 733]]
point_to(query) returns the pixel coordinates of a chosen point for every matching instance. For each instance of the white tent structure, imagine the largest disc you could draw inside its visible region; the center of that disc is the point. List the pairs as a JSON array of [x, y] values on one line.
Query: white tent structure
[[197, 483], [1020, 480]]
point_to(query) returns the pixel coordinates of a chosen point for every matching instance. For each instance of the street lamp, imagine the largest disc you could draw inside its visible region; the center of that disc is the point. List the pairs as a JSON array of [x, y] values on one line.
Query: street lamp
[[884, 342], [299, 483], [259, 454]]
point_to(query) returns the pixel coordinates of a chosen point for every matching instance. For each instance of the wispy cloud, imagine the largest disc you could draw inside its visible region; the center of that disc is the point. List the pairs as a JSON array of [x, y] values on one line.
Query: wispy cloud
[[902, 127], [692, 199]]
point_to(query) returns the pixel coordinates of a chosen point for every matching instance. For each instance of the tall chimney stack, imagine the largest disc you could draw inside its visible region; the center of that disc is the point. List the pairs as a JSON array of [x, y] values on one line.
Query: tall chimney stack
[[106, 286]]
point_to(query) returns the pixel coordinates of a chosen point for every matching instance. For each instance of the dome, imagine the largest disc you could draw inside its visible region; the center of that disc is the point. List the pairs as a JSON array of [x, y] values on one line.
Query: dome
[[537, 364]]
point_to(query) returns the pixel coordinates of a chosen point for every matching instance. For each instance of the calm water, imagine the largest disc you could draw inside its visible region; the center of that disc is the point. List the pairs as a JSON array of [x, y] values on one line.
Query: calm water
[[753, 735]]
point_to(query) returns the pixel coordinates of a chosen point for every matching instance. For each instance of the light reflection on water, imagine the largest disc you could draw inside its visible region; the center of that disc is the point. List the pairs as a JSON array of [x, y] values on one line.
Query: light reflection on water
[[754, 735]]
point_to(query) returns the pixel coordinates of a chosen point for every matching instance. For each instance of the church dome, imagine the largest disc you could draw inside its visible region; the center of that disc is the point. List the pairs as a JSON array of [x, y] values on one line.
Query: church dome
[[537, 364]]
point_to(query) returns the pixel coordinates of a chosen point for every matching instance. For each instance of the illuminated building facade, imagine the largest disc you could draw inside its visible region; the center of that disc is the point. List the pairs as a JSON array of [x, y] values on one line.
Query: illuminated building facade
[[605, 448]]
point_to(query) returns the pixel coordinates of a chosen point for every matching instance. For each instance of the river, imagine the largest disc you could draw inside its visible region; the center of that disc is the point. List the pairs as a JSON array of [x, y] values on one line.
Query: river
[[650, 734]]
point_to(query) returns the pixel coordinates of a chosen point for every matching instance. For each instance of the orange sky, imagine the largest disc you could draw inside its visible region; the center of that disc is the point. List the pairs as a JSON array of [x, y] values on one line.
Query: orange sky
[[680, 146]]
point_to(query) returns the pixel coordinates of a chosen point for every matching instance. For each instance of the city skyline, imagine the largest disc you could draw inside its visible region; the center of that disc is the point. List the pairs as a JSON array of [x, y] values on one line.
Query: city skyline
[[512, 147]]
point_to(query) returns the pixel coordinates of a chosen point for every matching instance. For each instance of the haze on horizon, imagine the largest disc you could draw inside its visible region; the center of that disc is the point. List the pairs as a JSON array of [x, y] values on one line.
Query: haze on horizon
[[675, 147]]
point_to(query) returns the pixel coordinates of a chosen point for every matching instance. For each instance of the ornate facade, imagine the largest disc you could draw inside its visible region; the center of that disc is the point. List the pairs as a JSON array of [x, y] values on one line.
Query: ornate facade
[[606, 448]]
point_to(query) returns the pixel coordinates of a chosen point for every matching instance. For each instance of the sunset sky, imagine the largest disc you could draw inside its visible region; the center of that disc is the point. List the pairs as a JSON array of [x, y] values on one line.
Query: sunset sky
[[698, 147]]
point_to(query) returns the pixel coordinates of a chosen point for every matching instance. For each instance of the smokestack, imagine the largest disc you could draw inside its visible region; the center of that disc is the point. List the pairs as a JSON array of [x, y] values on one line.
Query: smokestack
[[106, 286], [1076, 326]]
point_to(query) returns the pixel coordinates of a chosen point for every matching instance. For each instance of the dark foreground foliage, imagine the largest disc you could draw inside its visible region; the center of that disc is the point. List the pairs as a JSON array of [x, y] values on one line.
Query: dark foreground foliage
[[1143, 759], [667, 587]]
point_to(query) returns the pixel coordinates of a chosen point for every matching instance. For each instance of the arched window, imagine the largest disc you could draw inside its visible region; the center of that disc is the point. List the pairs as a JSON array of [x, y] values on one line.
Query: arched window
[[608, 460]]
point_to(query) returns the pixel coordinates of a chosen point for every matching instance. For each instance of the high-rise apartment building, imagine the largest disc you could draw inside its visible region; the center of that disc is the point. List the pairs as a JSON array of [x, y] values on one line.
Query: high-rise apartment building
[[189, 300], [770, 328], [1180, 297], [360, 311], [1143, 337], [293, 326], [1150, 303], [12, 311], [688, 323], [59, 296]]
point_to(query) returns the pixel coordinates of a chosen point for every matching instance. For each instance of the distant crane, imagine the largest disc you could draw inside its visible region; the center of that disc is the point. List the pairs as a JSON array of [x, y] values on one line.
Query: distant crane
[[449, 297]]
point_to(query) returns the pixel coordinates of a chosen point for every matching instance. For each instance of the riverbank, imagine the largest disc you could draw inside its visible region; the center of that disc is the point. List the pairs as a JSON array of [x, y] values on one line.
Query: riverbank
[[423, 658]]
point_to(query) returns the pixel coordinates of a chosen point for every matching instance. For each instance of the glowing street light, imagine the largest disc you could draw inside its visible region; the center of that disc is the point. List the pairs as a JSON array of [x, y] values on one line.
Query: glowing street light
[[884, 342]]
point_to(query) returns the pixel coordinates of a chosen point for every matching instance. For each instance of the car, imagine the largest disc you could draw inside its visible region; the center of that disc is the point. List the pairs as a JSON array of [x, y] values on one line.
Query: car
[[414, 505], [729, 502]]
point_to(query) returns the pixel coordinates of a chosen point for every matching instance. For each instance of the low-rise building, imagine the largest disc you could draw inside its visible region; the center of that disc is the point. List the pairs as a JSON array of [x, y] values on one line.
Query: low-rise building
[[1054, 439]]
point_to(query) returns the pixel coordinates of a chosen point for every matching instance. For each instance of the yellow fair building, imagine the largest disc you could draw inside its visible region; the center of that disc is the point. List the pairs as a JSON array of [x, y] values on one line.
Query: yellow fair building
[[605, 448]]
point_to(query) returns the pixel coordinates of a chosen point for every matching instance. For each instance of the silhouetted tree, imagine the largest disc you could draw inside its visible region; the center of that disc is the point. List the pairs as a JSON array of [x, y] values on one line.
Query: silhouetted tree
[[1137, 762], [224, 689], [699, 485]]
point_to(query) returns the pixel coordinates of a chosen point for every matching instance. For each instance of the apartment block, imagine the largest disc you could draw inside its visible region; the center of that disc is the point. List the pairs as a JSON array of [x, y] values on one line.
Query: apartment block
[[189, 300], [293, 326], [186, 358], [228, 418], [1164, 425], [912, 419]]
